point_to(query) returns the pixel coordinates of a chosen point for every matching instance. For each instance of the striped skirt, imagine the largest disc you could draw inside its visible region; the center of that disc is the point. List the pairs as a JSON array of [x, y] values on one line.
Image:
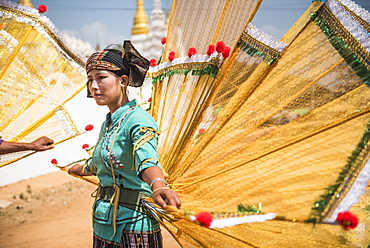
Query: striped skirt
[[132, 240]]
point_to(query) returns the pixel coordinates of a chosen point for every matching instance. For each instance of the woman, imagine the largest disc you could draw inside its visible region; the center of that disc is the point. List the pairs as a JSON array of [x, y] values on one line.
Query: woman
[[127, 146]]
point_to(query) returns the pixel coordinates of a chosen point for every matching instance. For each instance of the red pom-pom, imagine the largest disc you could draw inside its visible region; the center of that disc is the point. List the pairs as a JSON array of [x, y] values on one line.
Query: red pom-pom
[[89, 127], [164, 40], [192, 51], [201, 131], [153, 62], [85, 146], [54, 161], [347, 220], [211, 49], [171, 56], [204, 218], [53, 81], [220, 46], [42, 8], [226, 52], [150, 99]]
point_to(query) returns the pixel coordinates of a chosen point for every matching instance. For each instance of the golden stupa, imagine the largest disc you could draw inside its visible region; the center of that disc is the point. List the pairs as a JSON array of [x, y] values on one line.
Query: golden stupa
[[27, 3], [140, 20]]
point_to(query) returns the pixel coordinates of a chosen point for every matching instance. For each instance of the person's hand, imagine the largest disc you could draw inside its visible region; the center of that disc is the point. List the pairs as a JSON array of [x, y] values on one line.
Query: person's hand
[[78, 169], [165, 196], [41, 144]]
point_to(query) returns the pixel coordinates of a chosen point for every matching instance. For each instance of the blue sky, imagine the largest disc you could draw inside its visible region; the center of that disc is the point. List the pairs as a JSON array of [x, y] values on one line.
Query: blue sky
[[110, 21]]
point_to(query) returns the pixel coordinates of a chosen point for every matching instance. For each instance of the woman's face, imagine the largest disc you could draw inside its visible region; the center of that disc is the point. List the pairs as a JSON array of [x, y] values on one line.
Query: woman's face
[[106, 87]]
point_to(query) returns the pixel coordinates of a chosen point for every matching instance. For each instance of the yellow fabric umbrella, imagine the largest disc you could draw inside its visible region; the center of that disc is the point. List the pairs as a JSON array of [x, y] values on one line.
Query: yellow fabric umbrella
[[39, 74], [233, 132]]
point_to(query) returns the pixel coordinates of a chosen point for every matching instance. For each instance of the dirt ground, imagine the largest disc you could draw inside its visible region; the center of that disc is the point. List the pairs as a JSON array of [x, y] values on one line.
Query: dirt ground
[[53, 210]]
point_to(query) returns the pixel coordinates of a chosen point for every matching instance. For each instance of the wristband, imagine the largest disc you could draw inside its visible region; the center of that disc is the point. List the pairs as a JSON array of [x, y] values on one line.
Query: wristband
[[156, 180]]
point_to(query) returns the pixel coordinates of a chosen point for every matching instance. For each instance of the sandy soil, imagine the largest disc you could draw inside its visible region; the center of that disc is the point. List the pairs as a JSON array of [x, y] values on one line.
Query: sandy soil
[[50, 211]]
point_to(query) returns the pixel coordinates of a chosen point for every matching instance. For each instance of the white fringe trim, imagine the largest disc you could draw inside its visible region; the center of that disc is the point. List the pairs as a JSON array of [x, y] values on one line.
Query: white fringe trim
[[197, 58], [7, 40], [64, 119], [354, 194], [43, 18], [265, 38], [361, 12], [233, 221], [358, 32]]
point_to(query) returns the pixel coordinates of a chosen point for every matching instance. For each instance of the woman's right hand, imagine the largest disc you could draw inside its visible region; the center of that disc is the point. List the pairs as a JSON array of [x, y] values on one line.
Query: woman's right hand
[[162, 197], [78, 169]]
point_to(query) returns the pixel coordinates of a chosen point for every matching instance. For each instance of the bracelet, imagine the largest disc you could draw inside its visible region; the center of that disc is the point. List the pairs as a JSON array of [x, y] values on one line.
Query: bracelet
[[159, 189], [156, 180]]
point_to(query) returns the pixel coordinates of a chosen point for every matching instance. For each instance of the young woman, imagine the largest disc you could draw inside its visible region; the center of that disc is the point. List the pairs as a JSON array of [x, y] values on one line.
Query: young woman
[[125, 158]]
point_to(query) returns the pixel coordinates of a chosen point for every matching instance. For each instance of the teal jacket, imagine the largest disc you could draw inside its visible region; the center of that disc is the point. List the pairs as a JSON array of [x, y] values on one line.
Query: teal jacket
[[129, 124]]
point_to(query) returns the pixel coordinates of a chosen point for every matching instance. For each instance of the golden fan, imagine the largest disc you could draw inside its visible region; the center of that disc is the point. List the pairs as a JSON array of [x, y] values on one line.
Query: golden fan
[[39, 74], [279, 127]]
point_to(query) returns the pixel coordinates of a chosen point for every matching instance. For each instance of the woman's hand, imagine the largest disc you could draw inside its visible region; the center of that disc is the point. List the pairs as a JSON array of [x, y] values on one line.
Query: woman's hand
[[164, 196], [78, 169]]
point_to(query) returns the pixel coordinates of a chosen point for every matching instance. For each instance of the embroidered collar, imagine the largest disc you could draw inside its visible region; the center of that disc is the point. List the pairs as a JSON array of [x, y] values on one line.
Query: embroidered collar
[[117, 115]]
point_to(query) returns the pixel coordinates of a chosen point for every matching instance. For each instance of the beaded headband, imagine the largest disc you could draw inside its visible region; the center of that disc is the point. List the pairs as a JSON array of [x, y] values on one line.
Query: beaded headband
[[105, 60], [131, 63]]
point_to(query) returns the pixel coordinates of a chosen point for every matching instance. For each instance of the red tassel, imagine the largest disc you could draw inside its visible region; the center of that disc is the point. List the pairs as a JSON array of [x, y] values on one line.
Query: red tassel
[[42, 8], [171, 56], [204, 218], [89, 127], [220, 46], [54, 161], [164, 40], [153, 62], [347, 220], [85, 146], [192, 51], [226, 52], [211, 49]]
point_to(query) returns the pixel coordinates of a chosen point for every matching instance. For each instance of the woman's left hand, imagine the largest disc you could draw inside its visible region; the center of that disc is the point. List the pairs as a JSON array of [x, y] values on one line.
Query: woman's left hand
[[165, 196]]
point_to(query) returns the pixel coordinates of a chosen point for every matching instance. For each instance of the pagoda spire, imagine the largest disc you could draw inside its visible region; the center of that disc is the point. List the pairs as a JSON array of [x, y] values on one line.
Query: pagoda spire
[[97, 48], [27, 3], [140, 19], [157, 13]]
